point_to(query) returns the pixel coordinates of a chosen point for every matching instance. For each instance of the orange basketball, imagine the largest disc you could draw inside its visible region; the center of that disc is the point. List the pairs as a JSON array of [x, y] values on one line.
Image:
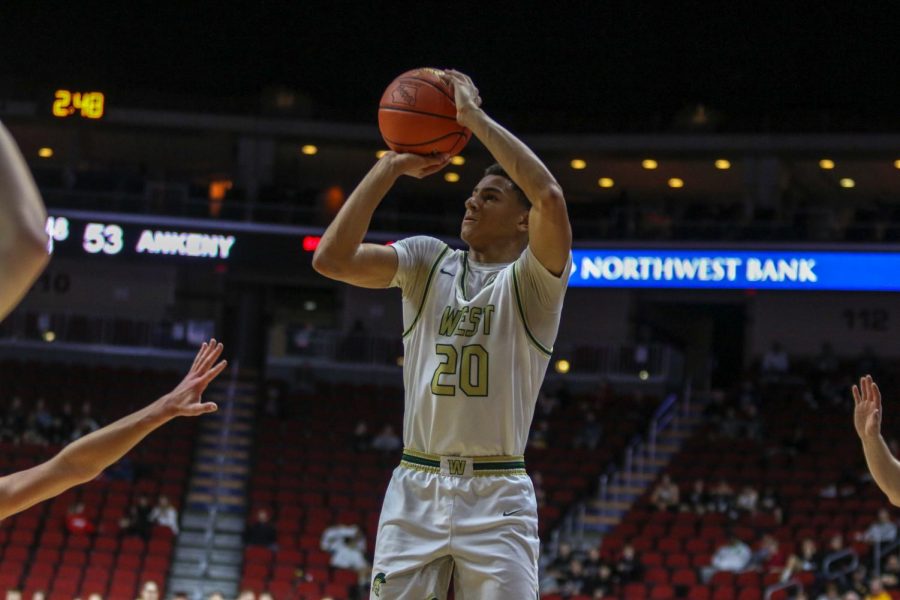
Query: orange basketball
[[417, 114]]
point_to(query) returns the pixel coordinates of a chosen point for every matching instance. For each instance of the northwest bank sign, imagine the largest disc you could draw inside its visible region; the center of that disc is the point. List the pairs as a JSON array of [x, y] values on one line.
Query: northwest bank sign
[[726, 269]]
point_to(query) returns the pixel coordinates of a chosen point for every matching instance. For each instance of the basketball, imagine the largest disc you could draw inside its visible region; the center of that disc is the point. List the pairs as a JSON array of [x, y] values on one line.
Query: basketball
[[417, 114]]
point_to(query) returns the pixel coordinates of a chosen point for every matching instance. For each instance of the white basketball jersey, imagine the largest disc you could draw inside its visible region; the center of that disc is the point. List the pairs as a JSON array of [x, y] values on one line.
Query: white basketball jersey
[[477, 341]]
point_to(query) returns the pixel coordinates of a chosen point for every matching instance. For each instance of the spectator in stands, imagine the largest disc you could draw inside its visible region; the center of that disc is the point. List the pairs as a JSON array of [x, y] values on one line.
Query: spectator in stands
[[890, 574], [13, 595], [77, 522], [877, 591], [882, 530], [628, 567], [604, 582], [13, 425], [86, 423], [387, 441], [39, 595], [747, 500], [859, 582], [769, 557], [165, 515], [665, 495], [698, 498], [590, 434], [361, 436], [137, 521], [575, 580], [539, 436], [775, 362], [826, 363], [261, 532], [770, 502], [149, 591], [64, 424], [809, 559], [733, 557], [831, 592], [42, 421], [246, 595], [265, 596], [564, 555], [546, 404], [722, 497]]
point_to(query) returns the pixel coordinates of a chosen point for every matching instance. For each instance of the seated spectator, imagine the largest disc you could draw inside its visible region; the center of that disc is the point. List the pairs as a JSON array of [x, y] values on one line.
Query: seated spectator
[[539, 436], [604, 582], [387, 440], [86, 423], [877, 591], [13, 424], [809, 559], [335, 534], [859, 582], [13, 595], [149, 591], [831, 592], [665, 495], [575, 580], [890, 575], [165, 515], [590, 434], [137, 521], [769, 557], [39, 595], [770, 502], [882, 530], [261, 532], [733, 557], [722, 497], [698, 498], [361, 436], [628, 567], [77, 522], [559, 566], [747, 500], [775, 361], [347, 546]]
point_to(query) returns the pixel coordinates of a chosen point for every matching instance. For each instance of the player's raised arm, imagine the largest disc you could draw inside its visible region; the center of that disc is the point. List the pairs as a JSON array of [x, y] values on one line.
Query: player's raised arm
[[884, 467], [23, 242], [341, 253], [549, 230], [86, 458]]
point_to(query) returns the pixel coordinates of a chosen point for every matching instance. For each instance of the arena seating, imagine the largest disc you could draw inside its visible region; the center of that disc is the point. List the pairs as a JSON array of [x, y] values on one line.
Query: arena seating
[[36, 552], [674, 545]]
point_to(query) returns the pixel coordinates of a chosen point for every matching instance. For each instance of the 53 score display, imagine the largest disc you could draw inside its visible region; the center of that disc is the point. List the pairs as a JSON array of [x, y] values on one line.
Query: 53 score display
[[114, 239]]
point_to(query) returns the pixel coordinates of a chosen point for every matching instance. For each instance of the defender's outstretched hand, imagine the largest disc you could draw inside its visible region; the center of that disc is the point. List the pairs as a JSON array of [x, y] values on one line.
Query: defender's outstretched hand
[[186, 399], [867, 412]]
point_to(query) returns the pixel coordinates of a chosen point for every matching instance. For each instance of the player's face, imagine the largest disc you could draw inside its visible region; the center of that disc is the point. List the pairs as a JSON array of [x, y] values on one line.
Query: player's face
[[493, 212]]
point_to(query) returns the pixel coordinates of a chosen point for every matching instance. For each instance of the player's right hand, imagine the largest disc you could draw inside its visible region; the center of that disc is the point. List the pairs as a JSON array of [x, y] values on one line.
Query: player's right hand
[[416, 165], [186, 400], [867, 412]]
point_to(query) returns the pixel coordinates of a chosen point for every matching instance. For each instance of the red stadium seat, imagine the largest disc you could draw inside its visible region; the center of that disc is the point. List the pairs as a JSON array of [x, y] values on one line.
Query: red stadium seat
[[662, 592]]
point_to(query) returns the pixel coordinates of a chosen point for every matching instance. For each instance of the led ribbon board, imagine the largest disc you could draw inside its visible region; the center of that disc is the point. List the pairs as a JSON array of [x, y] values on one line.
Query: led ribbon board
[[736, 269]]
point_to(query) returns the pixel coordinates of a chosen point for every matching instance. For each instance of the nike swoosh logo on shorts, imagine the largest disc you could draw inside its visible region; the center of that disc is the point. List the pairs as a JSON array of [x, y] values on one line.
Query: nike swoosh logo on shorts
[[509, 513], [447, 273]]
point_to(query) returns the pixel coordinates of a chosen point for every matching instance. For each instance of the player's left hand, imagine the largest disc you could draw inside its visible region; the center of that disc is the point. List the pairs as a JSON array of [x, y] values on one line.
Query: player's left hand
[[867, 409], [186, 399], [466, 96]]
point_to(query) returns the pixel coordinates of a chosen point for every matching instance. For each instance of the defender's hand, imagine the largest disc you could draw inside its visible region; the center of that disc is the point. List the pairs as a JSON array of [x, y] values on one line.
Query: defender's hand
[[867, 410], [186, 400]]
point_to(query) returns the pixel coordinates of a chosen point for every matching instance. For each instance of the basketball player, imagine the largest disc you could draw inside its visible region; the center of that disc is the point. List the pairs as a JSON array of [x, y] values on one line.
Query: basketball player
[[867, 419], [480, 325], [23, 255], [23, 241]]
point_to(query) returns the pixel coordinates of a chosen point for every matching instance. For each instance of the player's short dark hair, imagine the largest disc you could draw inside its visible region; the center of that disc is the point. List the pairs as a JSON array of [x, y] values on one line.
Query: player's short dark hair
[[496, 169]]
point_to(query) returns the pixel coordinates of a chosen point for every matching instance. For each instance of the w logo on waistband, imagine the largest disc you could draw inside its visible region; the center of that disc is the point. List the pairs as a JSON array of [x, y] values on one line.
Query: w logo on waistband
[[456, 467]]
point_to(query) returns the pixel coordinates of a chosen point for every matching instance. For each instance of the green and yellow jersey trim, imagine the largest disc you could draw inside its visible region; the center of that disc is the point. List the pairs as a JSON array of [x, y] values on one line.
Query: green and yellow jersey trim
[[427, 289], [534, 341]]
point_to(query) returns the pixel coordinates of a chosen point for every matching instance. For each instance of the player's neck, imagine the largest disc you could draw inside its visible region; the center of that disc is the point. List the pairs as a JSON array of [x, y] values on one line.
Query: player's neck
[[499, 253]]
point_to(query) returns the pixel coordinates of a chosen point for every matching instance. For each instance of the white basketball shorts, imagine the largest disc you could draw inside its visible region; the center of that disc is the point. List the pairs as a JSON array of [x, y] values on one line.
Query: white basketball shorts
[[472, 519]]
